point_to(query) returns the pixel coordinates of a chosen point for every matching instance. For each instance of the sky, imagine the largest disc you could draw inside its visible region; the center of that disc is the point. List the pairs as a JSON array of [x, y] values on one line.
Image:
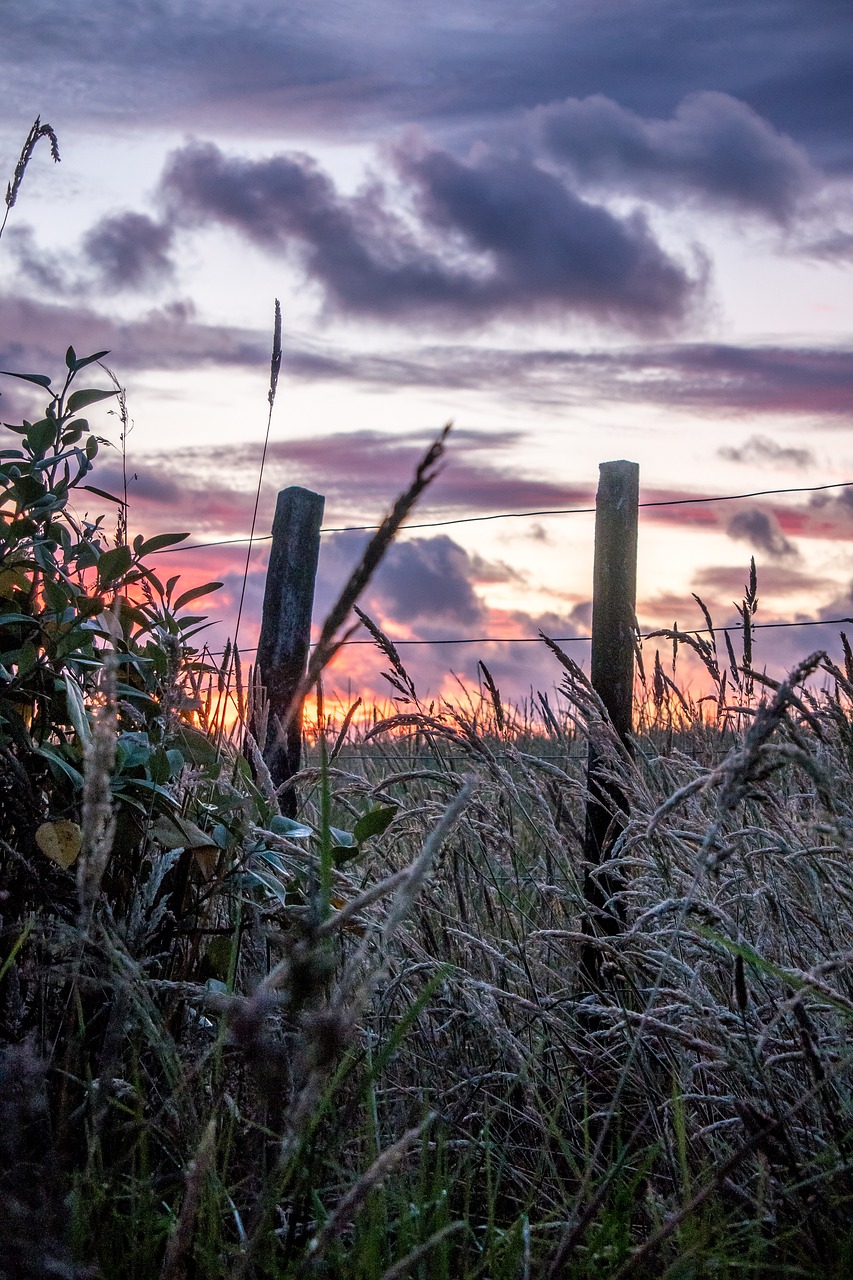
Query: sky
[[581, 231]]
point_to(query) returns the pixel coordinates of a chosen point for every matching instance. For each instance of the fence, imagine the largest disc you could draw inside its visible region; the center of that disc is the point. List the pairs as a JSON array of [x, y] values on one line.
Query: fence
[[286, 631]]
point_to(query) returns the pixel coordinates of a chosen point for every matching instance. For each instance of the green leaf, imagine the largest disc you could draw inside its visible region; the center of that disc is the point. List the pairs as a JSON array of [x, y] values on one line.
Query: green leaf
[[82, 361], [342, 854], [266, 880], [91, 447], [157, 543], [82, 399], [345, 839], [101, 493], [58, 762], [113, 564], [71, 358], [133, 751], [198, 748], [77, 709], [281, 826], [274, 860], [158, 767], [194, 593], [41, 435], [38, 378], [373, 823], [56, 596], [28, 490], [27, 659]]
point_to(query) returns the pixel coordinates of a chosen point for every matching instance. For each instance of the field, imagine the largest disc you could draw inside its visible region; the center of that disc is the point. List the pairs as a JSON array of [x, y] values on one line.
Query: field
[[368, 1045]]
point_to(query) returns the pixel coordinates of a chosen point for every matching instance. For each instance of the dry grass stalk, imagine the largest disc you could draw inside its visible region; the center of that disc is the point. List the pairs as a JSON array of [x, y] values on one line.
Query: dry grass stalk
[[348, 1207], [177, 1264], [37, 131], [327, 643], [98, 819]]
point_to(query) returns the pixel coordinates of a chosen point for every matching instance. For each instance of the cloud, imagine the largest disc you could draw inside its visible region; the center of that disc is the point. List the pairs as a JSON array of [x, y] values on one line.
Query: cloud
[[36, 335], [360, 473], [761, 530], [130, 251], [497, 236], [764, 451], [774, 580], [121, 253], [429, 580], [709, 377], [351, 70], [424, 591], [424, 585], [714, 149], [716, 377]]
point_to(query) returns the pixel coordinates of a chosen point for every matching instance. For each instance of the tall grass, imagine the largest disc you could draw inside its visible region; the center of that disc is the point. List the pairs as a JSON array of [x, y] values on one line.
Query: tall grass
[[384, 1058]]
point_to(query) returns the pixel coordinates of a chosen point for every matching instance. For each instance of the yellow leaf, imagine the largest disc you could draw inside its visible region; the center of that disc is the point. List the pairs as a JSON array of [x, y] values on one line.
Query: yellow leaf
[[207, 857], [60, 841]]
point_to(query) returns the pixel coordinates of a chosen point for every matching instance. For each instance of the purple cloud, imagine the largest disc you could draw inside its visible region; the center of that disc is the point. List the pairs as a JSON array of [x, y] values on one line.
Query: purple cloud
[[760, 529], [763, 451], [130, 251], [498, 236], [714, 149]]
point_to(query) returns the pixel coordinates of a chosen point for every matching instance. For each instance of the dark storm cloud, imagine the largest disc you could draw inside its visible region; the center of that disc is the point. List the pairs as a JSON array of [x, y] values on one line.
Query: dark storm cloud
[[429, 580], [365, 470], [348, 68], [360, 473], [834, 245], [714, 149], [761, 531], [498, 236], [763, 451], [211, 491], [426, 584], [39, 266], [130, 250]]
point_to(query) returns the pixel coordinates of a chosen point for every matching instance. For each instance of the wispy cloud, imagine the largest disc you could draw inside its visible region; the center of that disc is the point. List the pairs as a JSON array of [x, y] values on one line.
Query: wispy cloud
[[810, 380], [766, 452]]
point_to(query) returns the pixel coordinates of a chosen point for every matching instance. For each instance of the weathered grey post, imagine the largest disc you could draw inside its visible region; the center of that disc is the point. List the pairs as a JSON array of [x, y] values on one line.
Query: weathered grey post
[[614, 600], [286, 628]]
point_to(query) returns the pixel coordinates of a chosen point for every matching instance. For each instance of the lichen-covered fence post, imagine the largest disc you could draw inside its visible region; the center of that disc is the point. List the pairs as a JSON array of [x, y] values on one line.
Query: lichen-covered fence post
[[286, 628], [614, 601]]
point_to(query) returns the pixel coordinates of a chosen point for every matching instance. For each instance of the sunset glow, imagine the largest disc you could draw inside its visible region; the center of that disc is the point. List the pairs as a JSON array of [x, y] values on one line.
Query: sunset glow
[[575, 239]]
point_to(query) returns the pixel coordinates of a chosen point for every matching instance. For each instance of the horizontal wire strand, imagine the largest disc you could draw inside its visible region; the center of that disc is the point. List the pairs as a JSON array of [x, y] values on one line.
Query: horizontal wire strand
[[522, 515], [734, 628]]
